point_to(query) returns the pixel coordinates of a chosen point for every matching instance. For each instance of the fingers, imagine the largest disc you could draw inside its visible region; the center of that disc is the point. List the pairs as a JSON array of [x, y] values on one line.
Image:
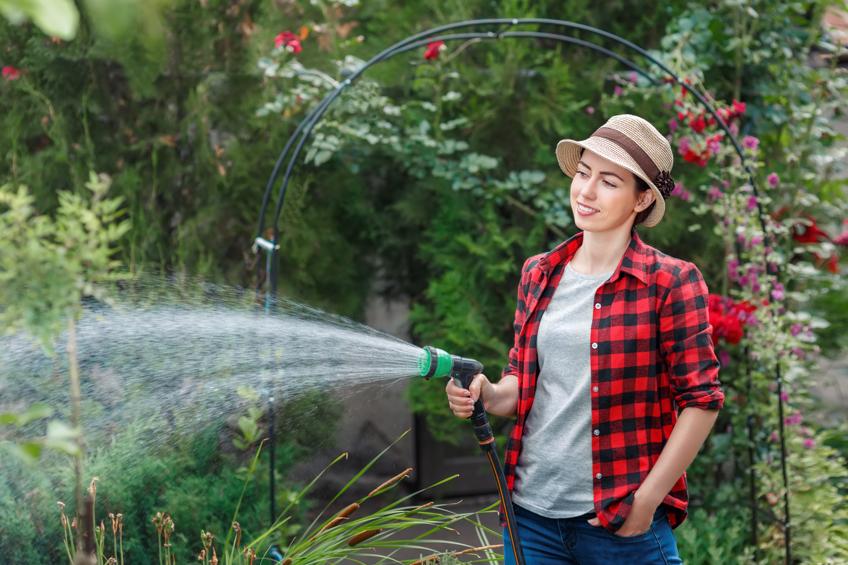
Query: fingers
[[460, 400], [476, 386], [594, 521]]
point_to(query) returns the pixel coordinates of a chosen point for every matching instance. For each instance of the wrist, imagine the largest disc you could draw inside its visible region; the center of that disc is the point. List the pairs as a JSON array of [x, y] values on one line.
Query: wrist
[[488, 392], [648, 495]]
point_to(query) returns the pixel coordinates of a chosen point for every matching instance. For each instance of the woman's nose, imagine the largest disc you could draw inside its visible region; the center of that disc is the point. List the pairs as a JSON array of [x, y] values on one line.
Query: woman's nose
[[588, 188]]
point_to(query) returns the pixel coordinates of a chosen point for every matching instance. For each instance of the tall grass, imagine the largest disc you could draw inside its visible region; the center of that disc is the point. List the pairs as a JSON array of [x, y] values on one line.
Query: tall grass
[[364, 530]]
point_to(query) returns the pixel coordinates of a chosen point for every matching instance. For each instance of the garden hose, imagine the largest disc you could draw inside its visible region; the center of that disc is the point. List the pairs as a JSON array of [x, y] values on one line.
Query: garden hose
[[435, 362]]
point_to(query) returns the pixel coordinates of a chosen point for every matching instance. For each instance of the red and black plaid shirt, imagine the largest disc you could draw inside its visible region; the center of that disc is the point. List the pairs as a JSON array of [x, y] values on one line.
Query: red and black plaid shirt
[[651, 355]]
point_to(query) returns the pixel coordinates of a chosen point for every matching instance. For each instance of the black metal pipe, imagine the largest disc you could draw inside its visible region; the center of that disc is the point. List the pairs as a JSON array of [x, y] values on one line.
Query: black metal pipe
[[272, 461]]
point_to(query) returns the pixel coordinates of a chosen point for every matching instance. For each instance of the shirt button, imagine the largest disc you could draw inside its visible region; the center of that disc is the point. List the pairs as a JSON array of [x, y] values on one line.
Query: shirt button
[[597, 432], [597, 305], [598, 476], [594, 345], [594, 389]]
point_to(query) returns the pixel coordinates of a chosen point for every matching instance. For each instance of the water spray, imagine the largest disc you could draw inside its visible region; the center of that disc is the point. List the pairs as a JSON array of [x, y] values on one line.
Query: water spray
[[435, 362]]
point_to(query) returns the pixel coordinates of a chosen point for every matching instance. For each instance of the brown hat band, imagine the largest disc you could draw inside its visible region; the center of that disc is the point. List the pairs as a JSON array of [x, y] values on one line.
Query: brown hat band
[[661, 179]]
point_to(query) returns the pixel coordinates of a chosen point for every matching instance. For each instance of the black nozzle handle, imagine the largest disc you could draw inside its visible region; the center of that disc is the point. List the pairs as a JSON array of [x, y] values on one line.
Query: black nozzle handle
[[463, 372]]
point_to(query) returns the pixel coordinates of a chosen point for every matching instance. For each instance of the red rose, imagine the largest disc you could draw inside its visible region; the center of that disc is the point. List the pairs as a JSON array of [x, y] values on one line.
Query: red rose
[[288, 40], [727, 317], [733, 330], [738, 107], [715, 302], [842, 239], [11, 73], [833, 264], [717, 321], [809, 234], [698, 124], [294, 46], [700, 159], [433, 50]]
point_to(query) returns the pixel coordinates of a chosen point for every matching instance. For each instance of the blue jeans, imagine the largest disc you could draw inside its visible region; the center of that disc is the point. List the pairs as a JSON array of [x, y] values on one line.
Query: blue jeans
[[551, 541]]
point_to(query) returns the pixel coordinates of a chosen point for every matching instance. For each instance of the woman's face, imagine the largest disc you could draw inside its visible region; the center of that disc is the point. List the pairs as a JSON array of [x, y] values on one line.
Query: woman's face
[[609, 193]]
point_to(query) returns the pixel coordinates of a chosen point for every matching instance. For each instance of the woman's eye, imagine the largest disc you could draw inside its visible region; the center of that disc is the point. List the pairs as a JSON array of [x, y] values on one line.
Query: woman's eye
[[582, 173], [609, 184]]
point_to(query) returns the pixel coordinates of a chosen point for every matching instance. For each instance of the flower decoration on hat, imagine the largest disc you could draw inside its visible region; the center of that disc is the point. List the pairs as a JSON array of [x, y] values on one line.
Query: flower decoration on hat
[[664, 183]]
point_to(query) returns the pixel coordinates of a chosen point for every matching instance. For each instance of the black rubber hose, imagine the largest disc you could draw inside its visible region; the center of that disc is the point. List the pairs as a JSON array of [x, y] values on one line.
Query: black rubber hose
[[506, 500], [463, 372]]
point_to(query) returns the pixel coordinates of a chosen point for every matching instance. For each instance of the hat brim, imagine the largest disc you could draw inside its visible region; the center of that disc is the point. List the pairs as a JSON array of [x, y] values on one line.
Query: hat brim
[[568, 155]]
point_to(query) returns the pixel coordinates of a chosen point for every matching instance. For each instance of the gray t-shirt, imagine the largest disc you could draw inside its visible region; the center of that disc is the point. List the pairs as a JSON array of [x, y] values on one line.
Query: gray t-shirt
[[553, 477]]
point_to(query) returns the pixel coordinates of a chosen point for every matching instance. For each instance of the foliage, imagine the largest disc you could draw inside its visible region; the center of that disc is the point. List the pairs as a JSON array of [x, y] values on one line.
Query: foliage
[[770, 264], [200, 479], [347, 534], [48, 265], [28, 508], [94, 101], [434, 178], [720, 537], [71, 255], [714, 196], [59, 18]]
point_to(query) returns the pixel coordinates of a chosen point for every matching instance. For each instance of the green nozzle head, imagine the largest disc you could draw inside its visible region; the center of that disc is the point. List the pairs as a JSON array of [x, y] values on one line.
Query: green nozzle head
[[434, 362]]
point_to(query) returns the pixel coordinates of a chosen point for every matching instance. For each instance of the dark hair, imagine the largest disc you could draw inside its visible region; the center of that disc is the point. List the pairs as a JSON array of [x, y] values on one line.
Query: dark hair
[[642, 186]]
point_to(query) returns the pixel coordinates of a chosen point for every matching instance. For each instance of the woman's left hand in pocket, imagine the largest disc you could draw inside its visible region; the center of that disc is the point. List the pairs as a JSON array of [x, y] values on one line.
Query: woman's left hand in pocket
[[639, 519]]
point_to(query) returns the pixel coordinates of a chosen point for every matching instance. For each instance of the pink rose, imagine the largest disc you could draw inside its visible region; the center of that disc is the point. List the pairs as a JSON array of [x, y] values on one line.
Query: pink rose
[[11, 73], [773, 180]]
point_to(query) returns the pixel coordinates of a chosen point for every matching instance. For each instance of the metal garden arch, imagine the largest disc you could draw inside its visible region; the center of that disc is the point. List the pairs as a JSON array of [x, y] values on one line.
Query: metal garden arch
[[497, 29]]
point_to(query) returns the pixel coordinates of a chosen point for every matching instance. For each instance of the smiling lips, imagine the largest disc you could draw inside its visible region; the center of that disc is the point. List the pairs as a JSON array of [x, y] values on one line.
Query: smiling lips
[[584, 210]]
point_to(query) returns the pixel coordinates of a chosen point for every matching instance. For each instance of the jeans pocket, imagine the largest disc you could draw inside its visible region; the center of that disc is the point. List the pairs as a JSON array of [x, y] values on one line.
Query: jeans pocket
[[660, 514], [636, 537]]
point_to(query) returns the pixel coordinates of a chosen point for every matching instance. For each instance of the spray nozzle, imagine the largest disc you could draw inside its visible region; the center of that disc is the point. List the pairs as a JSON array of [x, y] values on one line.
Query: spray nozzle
[[435, 362]]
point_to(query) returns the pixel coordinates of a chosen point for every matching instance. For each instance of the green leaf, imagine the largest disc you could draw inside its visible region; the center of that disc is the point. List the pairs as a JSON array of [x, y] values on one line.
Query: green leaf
[[248, 428], [30, 450], [65, 446], [58, 18], [59, 430], [35, 412], [8, 418], [322, 157]]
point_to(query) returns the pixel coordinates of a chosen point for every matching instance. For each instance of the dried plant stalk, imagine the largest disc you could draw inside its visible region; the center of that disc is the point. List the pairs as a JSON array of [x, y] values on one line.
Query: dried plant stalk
[[391, 482], [362, 536]]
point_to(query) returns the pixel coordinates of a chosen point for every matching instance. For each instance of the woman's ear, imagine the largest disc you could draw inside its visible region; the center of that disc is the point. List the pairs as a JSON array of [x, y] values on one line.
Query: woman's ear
[[646, 198]]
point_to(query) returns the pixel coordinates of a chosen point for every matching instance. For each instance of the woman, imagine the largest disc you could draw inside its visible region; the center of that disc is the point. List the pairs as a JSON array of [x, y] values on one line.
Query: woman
[[612, 378]]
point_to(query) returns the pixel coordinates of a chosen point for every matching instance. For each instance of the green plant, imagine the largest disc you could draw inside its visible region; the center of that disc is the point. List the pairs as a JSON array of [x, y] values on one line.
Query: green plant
[[48, 266], [248, 424], [720, 537], [783, 121], [365, 527], [175, 128]]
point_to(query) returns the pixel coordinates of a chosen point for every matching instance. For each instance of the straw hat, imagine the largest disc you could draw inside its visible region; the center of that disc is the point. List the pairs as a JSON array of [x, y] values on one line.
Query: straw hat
[[633, 143]]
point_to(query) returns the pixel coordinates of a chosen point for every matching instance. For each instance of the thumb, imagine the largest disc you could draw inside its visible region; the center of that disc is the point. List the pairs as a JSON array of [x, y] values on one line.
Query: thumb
[[594, 521]]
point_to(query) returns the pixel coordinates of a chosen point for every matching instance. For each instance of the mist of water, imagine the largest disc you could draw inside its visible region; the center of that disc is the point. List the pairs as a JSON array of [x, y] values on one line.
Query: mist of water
[[193, 359]]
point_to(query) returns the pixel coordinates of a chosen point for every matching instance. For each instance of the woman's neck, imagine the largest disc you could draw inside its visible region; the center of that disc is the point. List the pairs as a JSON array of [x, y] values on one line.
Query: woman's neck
[[600, 252]]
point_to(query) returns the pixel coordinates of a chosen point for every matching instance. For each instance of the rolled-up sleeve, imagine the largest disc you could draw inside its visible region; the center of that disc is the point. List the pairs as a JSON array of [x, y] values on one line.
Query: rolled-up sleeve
[[687, 345]]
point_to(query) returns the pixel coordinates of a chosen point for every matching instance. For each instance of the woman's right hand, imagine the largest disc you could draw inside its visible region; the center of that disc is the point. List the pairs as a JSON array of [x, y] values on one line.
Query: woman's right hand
[[460, 400]]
